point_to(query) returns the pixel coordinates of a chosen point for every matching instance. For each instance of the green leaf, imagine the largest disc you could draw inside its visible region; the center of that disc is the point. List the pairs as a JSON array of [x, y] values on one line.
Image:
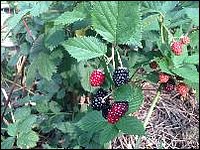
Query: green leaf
[[194, 39], [118, 21], [92, 122], [163, 65], [69, 17], [16, 18], [69, 128], [27, 140], [54, 107], [85, 48], [27, 123], [195, 18], [8, 143], [194, 86], [187, 73], [178, 60], [131, 94], [130, 125], [44, 65], [54, 37], [84, 139], [39, 8], [193, 59], [109, 132], [13, 129], [22, 113], [84, 71], [151, 23], [42, 106]]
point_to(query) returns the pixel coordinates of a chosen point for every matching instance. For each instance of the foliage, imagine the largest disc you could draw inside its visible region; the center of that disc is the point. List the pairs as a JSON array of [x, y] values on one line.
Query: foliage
[[63, 42]]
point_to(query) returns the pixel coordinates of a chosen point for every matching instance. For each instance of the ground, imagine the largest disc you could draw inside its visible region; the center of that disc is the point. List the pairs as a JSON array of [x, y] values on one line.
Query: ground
[[174, 123]]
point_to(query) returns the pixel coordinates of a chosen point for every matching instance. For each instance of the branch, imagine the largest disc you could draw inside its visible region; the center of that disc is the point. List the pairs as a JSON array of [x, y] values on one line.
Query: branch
[[113, 56], [19, 71]]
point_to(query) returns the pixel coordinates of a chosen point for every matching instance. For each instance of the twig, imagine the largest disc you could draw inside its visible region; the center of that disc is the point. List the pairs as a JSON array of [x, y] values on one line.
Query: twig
[[13, 87], [18, 85], [28, 30], [134, 74], [9, 105]]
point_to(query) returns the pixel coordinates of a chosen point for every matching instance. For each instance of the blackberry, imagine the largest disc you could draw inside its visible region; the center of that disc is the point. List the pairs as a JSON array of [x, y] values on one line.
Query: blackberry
[[117, 110], [98, 101], [120, 76], [105, 111]]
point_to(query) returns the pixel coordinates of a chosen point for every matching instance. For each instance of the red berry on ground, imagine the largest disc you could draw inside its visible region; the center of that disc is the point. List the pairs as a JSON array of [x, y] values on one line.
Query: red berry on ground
[[182, 89], [117, 110], [176, 48], [97, 78], [169, 85], [185, 40], [163, 77]]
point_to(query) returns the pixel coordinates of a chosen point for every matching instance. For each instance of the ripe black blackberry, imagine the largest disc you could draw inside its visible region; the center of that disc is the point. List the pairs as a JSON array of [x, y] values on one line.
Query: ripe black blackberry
[[105, 111], [120, 76], [99, 101]]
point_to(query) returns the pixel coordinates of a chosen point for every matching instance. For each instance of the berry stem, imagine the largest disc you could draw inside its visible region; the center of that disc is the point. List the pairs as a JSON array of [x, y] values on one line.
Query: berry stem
[[119, 58], [107, 96], [148, 116], [113, 55], [151, 108]]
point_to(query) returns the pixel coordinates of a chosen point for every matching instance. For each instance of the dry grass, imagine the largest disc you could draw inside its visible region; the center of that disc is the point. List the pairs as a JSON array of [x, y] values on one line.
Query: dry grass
[[174, 123]]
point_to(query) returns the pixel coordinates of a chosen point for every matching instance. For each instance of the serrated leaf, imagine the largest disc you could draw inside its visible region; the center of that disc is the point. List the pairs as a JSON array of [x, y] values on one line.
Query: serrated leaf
[[118, 21], [92, 122], [16, 18], [26, 124], [27, 140], [42, 106], [22, 113], [84, 139], [44, 65], [163, 65], [150, 23], [187, 73], [13, 129], [130, 125], [85, 48], [54, 37], [84, 73], [108, 133], [8, 143], [54, 107], [194, 39], [131, 94], [193, 59], [195, 18], [69, 17], [68, 128], [39, 8]]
